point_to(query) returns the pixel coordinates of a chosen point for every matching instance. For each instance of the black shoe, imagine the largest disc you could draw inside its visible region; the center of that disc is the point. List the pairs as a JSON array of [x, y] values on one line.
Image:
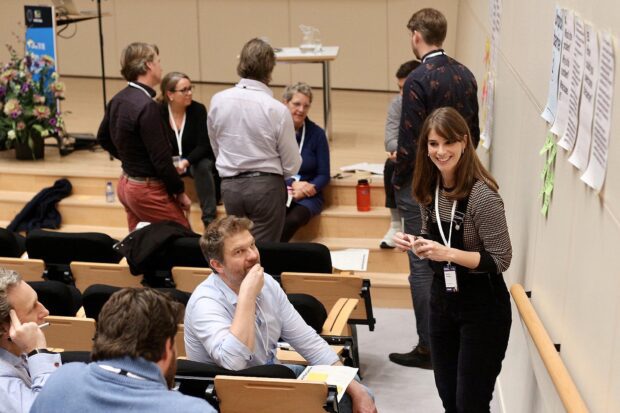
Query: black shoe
[[418, 357]]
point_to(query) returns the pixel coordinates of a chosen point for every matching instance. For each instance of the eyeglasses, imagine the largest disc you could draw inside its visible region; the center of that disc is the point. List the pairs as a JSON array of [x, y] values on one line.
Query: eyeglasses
[[185, 90]]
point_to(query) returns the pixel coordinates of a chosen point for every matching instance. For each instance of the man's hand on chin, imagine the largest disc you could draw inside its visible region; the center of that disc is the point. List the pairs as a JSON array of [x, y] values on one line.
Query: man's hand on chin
[[253, 282]]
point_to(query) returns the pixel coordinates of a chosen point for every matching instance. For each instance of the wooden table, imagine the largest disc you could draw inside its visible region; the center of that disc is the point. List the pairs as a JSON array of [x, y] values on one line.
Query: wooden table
[[324, 57]]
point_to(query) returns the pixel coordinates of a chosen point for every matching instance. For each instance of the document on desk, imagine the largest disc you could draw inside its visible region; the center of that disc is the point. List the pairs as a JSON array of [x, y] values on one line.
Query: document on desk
[[339, 376], [375, 168], [351, 259]]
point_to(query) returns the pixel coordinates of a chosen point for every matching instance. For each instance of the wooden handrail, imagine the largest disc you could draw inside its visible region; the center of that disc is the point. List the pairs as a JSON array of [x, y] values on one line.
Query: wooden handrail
[[564, 385]]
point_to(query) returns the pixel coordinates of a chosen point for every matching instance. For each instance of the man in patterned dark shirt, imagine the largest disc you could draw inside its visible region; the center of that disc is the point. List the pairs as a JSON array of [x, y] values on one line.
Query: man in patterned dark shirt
[[439, 81]]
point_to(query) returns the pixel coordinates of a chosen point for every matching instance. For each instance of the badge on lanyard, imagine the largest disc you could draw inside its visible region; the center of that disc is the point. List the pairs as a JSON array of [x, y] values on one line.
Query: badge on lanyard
[[449, 275], [449, 270]]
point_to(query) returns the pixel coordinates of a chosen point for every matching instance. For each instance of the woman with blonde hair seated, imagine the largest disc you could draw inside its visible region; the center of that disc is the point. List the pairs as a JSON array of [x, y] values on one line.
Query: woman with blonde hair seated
[[305, 189]]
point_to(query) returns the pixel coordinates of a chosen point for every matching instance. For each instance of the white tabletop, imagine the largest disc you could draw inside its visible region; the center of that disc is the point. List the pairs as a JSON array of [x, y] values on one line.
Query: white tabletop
[[294, 54]]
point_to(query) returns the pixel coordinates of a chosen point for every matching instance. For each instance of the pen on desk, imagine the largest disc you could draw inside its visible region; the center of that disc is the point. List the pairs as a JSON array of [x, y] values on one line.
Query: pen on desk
[[44, 325]]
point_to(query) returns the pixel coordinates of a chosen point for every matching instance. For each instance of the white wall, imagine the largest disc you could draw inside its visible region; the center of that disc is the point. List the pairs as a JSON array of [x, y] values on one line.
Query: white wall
[[204, 37], [567, 259]]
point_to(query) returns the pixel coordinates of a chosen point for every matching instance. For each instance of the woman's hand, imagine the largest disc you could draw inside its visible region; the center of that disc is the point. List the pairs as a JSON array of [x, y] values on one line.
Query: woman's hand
[[182, 166], [432, 250], [403, 241], [302, 189]]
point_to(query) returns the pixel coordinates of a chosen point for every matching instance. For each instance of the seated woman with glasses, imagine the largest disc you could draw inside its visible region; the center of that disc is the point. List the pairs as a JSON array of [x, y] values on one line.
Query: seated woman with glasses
[[185, 123], [306, 199]]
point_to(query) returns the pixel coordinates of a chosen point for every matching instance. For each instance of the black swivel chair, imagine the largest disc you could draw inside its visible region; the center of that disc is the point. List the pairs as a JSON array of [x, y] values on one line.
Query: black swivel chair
[[97, 295], [12, 245], [59, 249], [279, 257], [59, 298]]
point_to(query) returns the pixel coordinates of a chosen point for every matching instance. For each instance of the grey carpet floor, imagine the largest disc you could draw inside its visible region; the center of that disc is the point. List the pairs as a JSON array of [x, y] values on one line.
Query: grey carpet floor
[[397, 389]]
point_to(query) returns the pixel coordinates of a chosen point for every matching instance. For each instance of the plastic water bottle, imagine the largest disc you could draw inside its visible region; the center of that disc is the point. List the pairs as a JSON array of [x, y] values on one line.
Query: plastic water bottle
[[363, 195], [109, 192]]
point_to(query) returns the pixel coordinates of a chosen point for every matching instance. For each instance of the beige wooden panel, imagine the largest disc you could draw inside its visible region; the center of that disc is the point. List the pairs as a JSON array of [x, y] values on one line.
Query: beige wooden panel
[[11, 25], [399, 37], [358, 27], [248, 394], [172, 25], [70, 333], [226, 25], [78, 45]]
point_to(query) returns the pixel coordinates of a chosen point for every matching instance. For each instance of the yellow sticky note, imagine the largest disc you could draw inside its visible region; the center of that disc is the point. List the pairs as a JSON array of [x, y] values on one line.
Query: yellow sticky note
[[315, 376]]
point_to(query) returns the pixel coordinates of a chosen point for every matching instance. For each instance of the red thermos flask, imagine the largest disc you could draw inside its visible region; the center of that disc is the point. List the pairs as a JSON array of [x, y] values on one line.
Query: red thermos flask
[[363, 195]]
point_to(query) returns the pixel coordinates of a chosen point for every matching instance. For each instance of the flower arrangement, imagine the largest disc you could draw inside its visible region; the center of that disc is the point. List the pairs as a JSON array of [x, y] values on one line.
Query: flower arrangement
[[29, 95]]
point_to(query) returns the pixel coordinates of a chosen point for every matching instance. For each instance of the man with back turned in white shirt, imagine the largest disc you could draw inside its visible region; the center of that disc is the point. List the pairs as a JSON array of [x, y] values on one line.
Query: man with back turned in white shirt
[[253, 138]]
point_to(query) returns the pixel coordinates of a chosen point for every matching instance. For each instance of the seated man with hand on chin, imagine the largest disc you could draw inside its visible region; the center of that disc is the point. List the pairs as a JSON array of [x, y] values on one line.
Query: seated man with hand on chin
[[235, 317], [25, 363]]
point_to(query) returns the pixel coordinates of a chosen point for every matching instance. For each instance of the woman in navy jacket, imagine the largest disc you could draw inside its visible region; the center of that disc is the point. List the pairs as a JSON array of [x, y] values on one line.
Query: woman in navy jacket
[[305, 189], [185, 123]]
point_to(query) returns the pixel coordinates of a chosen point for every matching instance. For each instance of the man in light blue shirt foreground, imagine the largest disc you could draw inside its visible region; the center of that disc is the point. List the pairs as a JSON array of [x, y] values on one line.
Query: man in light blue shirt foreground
[[134, 362], [236, 316], [25, 363]]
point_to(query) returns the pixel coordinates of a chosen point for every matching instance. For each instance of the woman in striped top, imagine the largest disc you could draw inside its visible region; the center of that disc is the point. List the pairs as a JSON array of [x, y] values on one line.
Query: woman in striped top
[[465, 238]]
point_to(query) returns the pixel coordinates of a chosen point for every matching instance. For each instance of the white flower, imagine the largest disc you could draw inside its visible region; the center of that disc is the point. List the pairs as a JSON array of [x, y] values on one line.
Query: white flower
[[11, 135]]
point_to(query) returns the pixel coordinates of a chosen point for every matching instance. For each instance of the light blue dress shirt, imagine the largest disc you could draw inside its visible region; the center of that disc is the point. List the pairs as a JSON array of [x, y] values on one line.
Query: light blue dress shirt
[[22, 378], [209, 315]]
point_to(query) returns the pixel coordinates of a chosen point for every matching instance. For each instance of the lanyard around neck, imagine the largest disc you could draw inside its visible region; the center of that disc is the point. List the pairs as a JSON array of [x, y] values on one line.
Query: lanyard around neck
[[137, 86], [177, 132], [433, 54], [303, 137], [443, 236], [121, 372]]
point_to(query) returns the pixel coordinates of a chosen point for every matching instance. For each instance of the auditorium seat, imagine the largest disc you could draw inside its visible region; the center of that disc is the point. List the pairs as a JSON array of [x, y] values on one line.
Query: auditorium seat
[[28, 269], [86, 274], [70, 333], [188, 278], [95, 296], [59, 249], [279, 257], [11, 244], [254, 394]]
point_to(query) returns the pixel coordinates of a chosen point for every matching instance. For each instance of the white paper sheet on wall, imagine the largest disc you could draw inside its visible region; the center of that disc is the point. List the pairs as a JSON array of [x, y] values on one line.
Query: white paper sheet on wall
[[548, 113], [568, 139], [580, 154], [488, 93], [595, 173], [561, 114]]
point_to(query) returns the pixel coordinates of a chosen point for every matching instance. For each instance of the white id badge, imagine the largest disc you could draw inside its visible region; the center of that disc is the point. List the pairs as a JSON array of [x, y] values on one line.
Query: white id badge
[[449, 274], [289, 196]]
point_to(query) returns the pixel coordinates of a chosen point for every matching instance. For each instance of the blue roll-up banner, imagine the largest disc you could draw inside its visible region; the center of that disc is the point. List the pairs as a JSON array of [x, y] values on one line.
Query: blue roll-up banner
[[41, 32]]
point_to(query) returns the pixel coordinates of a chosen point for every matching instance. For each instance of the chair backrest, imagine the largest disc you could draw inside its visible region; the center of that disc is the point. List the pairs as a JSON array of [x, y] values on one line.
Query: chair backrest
[[11, 244], [186, 252], [96, 295], [57, 297], [253, 394], [309, 257], [327, 288], [29, 269], [55, 247], [310, 309], [70, 333], [86, 274], [188, 278]]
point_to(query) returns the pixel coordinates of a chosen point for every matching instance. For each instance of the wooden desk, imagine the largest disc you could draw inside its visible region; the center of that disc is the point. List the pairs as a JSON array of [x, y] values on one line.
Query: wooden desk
[[324, 57], [293, 357]]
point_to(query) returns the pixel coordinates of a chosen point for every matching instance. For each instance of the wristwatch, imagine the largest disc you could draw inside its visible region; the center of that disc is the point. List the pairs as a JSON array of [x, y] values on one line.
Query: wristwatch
[[40, 351]]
